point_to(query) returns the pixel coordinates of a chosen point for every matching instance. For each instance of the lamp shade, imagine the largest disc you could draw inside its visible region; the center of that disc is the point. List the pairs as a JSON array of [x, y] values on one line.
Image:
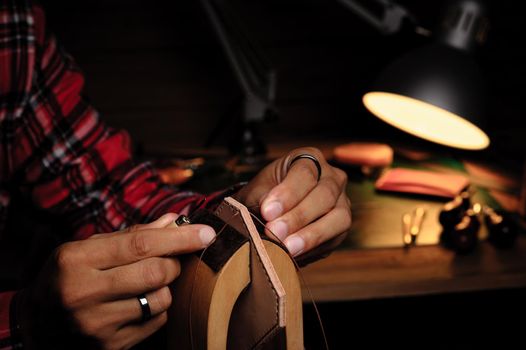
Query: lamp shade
[[436, 93]]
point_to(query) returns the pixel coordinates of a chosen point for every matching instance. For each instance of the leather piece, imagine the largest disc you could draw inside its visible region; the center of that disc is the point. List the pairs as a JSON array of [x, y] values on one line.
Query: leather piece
[[229, 214], [278, 340], [226, 243], [256, 310], [422, 182], [254, 321]]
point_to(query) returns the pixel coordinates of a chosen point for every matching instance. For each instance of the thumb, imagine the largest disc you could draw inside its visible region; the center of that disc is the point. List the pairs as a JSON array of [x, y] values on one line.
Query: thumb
[[255, 192], [161, 222], [259, 186]]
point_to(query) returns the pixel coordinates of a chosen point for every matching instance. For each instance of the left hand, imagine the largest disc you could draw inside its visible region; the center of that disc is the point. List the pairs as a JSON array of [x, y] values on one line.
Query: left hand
[[301, 211]]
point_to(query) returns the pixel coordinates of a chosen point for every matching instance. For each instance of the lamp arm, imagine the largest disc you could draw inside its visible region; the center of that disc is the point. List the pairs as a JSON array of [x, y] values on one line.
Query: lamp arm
[[388, 21], [256, 79]]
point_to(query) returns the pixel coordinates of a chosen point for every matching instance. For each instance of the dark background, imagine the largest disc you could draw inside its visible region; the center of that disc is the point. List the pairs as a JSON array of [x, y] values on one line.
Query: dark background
[[156, 69]]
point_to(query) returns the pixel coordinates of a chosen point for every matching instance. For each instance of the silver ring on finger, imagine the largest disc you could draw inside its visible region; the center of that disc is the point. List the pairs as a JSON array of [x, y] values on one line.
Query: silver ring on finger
[[146, 312], [310, 157]]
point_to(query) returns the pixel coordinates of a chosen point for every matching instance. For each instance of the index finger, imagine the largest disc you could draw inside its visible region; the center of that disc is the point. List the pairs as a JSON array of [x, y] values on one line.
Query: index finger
[[162, 221], [126, 248], [300, 180]]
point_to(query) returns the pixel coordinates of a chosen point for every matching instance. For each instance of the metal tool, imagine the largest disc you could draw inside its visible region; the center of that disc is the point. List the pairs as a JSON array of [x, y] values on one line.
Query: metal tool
[[412, 225]]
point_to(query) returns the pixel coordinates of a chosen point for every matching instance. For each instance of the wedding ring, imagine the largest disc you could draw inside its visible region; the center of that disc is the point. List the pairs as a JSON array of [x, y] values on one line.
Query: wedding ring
[[308, 156], [145, 308]]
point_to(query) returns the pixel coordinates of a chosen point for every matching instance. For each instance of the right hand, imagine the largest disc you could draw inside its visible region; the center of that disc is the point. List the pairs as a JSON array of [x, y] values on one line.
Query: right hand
[[87, 291]]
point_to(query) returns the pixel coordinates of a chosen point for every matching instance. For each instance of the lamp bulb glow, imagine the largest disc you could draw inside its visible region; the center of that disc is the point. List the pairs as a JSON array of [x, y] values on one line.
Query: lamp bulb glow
[[426, 120]]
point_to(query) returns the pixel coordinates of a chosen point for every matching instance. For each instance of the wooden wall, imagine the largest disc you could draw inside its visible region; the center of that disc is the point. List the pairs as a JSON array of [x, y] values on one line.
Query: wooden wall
[[156, 68]]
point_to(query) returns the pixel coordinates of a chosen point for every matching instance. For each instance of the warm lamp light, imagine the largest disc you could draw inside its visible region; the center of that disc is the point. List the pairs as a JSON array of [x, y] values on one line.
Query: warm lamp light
[[426, 120], [437, 92]]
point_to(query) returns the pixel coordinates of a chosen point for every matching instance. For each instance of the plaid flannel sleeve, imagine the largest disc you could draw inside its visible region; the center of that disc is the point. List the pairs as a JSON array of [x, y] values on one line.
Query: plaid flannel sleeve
[[56, 149]]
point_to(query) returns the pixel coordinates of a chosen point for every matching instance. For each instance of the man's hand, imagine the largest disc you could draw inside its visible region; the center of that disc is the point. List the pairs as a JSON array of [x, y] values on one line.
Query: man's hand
[[89, 288], [300, 210]]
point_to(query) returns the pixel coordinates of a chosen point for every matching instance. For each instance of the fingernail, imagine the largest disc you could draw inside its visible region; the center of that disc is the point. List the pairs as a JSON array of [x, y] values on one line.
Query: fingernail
[[272, 210], [207, 234], [279, 229], [295, 244]]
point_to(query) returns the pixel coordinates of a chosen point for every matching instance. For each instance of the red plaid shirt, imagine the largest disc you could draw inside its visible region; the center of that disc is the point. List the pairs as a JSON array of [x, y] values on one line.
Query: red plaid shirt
[[56, 151]]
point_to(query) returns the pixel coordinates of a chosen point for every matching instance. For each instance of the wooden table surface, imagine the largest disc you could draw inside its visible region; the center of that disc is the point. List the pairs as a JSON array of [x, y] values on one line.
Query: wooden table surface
[[362, 274], [354, 273]]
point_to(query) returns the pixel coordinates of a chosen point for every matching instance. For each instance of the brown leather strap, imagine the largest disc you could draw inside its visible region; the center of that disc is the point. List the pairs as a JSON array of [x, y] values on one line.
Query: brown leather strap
[[229, 240], [255, 319], [258, 315]]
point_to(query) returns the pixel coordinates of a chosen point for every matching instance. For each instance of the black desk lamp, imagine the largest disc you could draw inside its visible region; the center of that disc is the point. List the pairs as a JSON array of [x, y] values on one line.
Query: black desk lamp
[[435, 92]]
